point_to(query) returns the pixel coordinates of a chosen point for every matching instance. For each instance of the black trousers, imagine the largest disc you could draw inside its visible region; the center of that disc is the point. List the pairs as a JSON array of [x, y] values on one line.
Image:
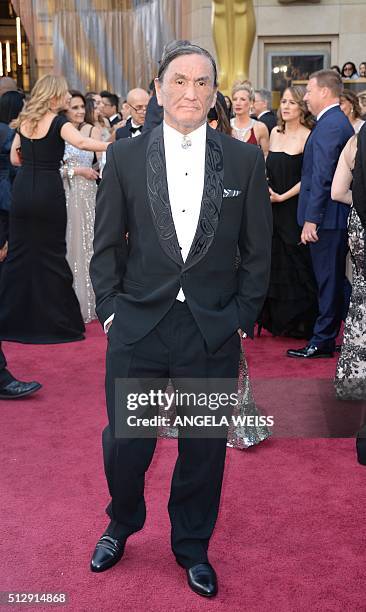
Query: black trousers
[[174, 349], [5, 376]]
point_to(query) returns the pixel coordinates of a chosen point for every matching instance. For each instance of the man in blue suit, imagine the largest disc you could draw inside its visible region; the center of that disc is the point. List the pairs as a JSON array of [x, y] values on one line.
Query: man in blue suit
[[324, 221]]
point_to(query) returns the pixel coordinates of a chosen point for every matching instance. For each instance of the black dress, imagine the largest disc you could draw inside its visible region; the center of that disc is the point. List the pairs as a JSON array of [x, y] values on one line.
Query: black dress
[[37, 301], [291, 305]]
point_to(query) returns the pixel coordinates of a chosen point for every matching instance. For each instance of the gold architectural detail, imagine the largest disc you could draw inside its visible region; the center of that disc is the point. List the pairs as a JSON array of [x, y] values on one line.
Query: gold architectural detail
[[302, 1], [233, 26]]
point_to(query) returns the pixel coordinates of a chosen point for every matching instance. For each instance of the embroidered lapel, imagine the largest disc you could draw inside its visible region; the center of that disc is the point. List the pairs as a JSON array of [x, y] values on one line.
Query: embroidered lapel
[[158, 195], [211, 199]]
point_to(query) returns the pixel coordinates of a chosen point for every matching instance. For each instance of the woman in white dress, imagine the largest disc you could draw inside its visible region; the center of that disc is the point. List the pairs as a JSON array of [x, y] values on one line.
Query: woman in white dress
[[79, 178]]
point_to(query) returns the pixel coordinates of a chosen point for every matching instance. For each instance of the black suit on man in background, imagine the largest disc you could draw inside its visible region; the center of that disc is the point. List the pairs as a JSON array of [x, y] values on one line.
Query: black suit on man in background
[[154, 114], [124, 132], [269, 118], [127, 130], [155, 336], [115, 120]]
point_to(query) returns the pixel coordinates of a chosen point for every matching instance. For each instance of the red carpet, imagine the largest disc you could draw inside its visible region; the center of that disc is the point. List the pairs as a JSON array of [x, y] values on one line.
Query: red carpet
[[290, 535]]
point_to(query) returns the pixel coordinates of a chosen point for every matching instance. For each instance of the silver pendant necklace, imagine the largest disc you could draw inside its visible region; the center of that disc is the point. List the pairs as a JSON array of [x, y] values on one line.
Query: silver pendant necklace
[[186, 142]]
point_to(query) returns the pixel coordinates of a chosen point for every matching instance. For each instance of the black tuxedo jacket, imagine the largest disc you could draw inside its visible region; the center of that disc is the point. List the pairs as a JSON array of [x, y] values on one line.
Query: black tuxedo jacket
[[270, 120], [138, 277], [154, 115], [125, 131], [115, 120]]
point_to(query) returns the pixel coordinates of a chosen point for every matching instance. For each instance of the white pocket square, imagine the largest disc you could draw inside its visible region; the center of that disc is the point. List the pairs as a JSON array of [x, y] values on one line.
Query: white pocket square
[[231, 193]]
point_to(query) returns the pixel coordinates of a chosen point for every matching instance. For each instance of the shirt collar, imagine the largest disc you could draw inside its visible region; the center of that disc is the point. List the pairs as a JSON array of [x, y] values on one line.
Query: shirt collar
[[134, 125], [325, 110], [197, 137], [264, 112], [113, 117]]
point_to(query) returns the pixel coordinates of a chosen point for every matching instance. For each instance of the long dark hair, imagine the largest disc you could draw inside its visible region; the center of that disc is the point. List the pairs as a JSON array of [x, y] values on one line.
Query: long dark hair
[[217, 113], [354, 69], [221, 114], [89, 110], [11, 103], [75, 93]]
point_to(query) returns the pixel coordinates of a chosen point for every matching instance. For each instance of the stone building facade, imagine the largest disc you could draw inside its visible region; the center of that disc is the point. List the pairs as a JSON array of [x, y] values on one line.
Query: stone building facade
[[330, 31]]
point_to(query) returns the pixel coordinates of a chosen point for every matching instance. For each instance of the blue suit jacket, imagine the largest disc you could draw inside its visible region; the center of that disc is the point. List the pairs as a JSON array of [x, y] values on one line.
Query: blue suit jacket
[[321, 155]]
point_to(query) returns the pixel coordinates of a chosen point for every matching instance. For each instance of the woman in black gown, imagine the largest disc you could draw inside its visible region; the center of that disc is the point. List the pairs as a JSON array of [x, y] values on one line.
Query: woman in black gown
[[291, 305], [37, 301]]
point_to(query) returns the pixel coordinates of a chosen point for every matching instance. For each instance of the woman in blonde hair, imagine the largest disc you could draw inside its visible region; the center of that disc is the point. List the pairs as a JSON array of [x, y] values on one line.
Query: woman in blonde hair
[[244, 127], [291, 305], [38, 303]]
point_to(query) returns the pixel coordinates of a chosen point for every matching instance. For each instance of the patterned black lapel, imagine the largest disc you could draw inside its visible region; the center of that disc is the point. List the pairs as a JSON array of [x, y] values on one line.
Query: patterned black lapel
[[211, 199], [157, 189]]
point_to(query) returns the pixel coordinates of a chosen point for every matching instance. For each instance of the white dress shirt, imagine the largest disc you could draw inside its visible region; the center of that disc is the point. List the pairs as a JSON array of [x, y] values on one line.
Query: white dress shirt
[[134, 125], [325, 110], [185, 171]]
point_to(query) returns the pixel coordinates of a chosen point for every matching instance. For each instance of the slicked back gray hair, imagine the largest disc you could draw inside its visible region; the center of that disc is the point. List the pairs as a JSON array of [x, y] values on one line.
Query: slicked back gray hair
[[174, 44], [180, 50], [266, 96]]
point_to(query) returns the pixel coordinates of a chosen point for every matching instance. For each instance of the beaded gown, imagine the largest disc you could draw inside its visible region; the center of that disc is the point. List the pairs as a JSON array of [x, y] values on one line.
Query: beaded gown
[[242, 133], [37, 302], [241, 436], [350, 378], [80, 201]]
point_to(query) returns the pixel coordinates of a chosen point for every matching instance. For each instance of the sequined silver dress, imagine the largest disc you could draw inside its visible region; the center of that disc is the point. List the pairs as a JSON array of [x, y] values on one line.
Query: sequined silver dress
[[80, 201], [239, 437], [350, 379]]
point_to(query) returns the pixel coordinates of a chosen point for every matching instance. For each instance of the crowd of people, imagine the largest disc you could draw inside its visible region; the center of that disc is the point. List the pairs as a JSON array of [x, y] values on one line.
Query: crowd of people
[[138, 258], [349, 71], [53, 149]]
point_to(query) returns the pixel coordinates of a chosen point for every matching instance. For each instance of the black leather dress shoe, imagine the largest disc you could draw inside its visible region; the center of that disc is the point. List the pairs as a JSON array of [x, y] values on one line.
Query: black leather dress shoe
[[309, 352], [202, 579], [107, 553], [16, 389]]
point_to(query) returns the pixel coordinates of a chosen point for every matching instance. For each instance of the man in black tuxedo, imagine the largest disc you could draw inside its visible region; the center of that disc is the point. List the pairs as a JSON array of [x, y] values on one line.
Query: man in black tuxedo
[[262, 109], [110, 107], [173, 297], [137, 100]]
